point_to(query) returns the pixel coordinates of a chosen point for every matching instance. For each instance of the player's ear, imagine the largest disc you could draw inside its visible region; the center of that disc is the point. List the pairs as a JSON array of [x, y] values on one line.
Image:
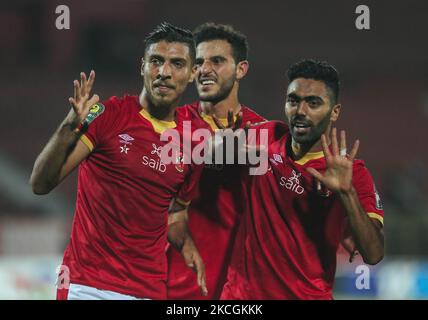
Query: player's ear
[[335, 112], [242, 69], [193, 73], [142, 67]]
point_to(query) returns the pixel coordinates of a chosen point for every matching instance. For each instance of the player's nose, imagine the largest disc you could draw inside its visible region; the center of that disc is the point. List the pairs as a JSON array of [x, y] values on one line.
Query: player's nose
[[205, 68], [165, 71], [302, 108]]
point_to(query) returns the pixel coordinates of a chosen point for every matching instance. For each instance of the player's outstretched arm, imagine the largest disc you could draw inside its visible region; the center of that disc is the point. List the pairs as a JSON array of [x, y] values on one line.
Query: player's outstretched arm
[[367, 233], [65, 151], [179, 237]]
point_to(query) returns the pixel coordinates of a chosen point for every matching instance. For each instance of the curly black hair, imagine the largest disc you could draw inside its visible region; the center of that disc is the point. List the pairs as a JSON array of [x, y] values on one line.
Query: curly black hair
[[170, 33], [212, 31], [317, 70]]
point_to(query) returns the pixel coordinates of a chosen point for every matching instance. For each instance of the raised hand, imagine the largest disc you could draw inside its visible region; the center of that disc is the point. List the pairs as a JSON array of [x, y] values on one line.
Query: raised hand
[[338, 176], [233, 125], [81, 103]]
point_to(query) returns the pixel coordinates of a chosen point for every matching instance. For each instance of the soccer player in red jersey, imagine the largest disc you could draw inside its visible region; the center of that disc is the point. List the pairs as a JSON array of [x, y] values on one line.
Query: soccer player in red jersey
[[288, 236], [221, 59], [125, 192]]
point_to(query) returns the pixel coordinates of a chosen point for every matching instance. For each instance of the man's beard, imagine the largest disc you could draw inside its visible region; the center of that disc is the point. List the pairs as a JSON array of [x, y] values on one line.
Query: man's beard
[[158, 110], [314, 133], [223, 92]]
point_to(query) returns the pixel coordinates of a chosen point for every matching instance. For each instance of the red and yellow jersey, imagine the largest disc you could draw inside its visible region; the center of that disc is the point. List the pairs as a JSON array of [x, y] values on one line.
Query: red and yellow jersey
[[288, 237], [119, 233], [213, 217]]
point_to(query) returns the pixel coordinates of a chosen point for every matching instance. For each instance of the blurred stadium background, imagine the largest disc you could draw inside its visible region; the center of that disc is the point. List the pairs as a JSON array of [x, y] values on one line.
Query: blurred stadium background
[[384, 95]]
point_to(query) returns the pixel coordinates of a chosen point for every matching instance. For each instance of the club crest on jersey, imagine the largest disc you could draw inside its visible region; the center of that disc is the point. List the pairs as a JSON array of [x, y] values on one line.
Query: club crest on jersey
[[97, 109], [292, 183], [179, 163], [154, 163]]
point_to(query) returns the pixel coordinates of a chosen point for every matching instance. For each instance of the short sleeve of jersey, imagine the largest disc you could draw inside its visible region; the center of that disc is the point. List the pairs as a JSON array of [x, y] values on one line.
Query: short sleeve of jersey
[[366, 190], [100, 120], [266, 132], [188, 189], [251, 116]]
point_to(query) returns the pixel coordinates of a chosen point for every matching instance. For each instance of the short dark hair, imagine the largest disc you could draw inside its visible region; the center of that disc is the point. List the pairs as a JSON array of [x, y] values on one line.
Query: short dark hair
[[170, 33], [212, 31], [317, 70]]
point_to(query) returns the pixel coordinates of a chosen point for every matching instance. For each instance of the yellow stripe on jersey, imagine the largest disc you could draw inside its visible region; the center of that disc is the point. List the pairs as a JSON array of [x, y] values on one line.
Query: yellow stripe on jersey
[[158, 125], [310, 156], [87, 142], [375, 216], [182, 202], [209, 119]]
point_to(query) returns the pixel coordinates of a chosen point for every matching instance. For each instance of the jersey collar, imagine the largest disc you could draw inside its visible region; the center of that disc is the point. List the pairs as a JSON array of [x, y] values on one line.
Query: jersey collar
[[308, 156], [159, 126], [209, 119]]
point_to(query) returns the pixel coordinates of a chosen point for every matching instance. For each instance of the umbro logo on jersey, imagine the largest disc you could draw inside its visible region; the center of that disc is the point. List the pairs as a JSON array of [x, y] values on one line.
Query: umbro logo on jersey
[[292, 183], [273, 161], [277, 158], [125, 138], [153, 163]]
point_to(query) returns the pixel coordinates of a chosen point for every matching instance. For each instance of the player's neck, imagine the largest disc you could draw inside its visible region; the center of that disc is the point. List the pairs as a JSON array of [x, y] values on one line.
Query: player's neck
[[164, 114], [302, 149], [221, 108]]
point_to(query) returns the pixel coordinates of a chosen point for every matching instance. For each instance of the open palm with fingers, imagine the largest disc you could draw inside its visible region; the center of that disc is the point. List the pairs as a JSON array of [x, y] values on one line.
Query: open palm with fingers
[[81, 103], [338, 176]]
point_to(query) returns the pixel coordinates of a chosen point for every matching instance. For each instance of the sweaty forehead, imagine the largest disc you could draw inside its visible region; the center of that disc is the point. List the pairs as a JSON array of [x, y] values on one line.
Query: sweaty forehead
[[169, 50], [308, 87], [213, 48]]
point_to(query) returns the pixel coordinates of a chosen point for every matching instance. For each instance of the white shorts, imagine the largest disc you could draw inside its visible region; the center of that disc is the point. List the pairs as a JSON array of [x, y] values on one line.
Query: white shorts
[[81, 292]]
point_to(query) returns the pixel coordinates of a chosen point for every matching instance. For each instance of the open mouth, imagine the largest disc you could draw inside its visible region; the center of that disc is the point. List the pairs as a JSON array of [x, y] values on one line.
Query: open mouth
[[206, 83], [301, 127]]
